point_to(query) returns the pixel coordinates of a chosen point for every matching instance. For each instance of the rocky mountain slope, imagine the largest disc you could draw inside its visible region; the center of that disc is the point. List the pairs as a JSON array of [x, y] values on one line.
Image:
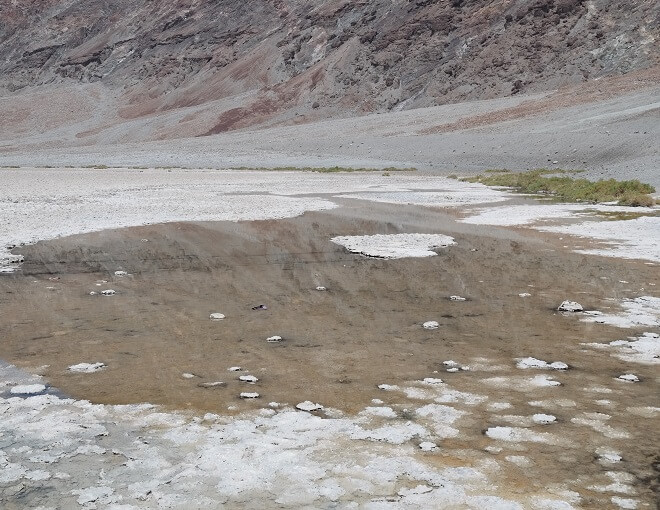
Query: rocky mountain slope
[[230, 64]]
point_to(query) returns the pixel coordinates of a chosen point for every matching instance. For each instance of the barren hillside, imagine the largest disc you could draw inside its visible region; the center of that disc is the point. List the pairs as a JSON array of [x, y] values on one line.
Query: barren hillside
[[226, 65]]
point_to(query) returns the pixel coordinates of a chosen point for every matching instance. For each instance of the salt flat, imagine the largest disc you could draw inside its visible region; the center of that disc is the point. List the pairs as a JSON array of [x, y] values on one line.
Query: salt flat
[[162, 424]]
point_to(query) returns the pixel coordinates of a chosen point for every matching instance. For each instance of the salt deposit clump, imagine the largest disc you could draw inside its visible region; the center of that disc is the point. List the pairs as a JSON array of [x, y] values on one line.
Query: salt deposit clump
[[86, 368], [628, 378], [432, 380], [248, 379], [108, 292], [431, 325], [456, 298], [570, 306], [309, 406], [525, 363], [248, 395], [274, 339], [216, 316], [428, 446], [544, 419]]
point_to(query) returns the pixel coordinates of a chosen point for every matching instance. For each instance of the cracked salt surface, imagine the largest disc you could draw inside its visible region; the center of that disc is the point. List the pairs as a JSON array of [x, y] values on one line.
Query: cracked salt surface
[[395, 246], [170, 460]]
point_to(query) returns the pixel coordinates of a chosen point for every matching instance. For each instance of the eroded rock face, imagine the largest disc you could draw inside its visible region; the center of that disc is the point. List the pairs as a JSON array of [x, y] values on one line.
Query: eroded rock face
[[321, 58]]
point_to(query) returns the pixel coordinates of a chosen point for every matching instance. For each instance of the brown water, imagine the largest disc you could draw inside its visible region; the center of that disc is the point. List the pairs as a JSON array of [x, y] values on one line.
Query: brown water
[[338, 345]]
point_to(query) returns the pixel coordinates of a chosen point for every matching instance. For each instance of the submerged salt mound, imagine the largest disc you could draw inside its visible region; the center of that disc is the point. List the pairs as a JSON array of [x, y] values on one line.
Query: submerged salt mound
[[395, 246], [27, 389]]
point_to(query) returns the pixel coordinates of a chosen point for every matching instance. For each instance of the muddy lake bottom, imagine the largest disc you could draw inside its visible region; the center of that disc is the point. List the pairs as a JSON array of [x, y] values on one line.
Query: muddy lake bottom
[[159, 345]]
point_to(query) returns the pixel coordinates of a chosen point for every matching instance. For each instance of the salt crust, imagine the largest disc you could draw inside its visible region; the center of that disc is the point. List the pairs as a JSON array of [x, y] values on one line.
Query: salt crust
[[101, 456], [395, 246], [41, 204], [643, 311], [87, 368], [637, 238], [644, 349]]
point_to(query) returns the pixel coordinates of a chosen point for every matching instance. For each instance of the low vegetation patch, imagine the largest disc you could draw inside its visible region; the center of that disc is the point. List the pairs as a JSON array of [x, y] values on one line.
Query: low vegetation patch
[[559, 184]]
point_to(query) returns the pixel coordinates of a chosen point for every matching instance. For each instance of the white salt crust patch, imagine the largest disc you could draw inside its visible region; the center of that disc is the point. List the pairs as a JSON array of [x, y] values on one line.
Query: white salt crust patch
[[395, 246], [519, 460], [630, 378], [620, 482], [597, 421], [645, 411], [309, 406], [644, 349], [637, 238], [625, 503], [525, 363], [519, 383], [453, 194], [643, 311], [544, 419], [519, 435], [608, 456], [27, 389], [86, 368]]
